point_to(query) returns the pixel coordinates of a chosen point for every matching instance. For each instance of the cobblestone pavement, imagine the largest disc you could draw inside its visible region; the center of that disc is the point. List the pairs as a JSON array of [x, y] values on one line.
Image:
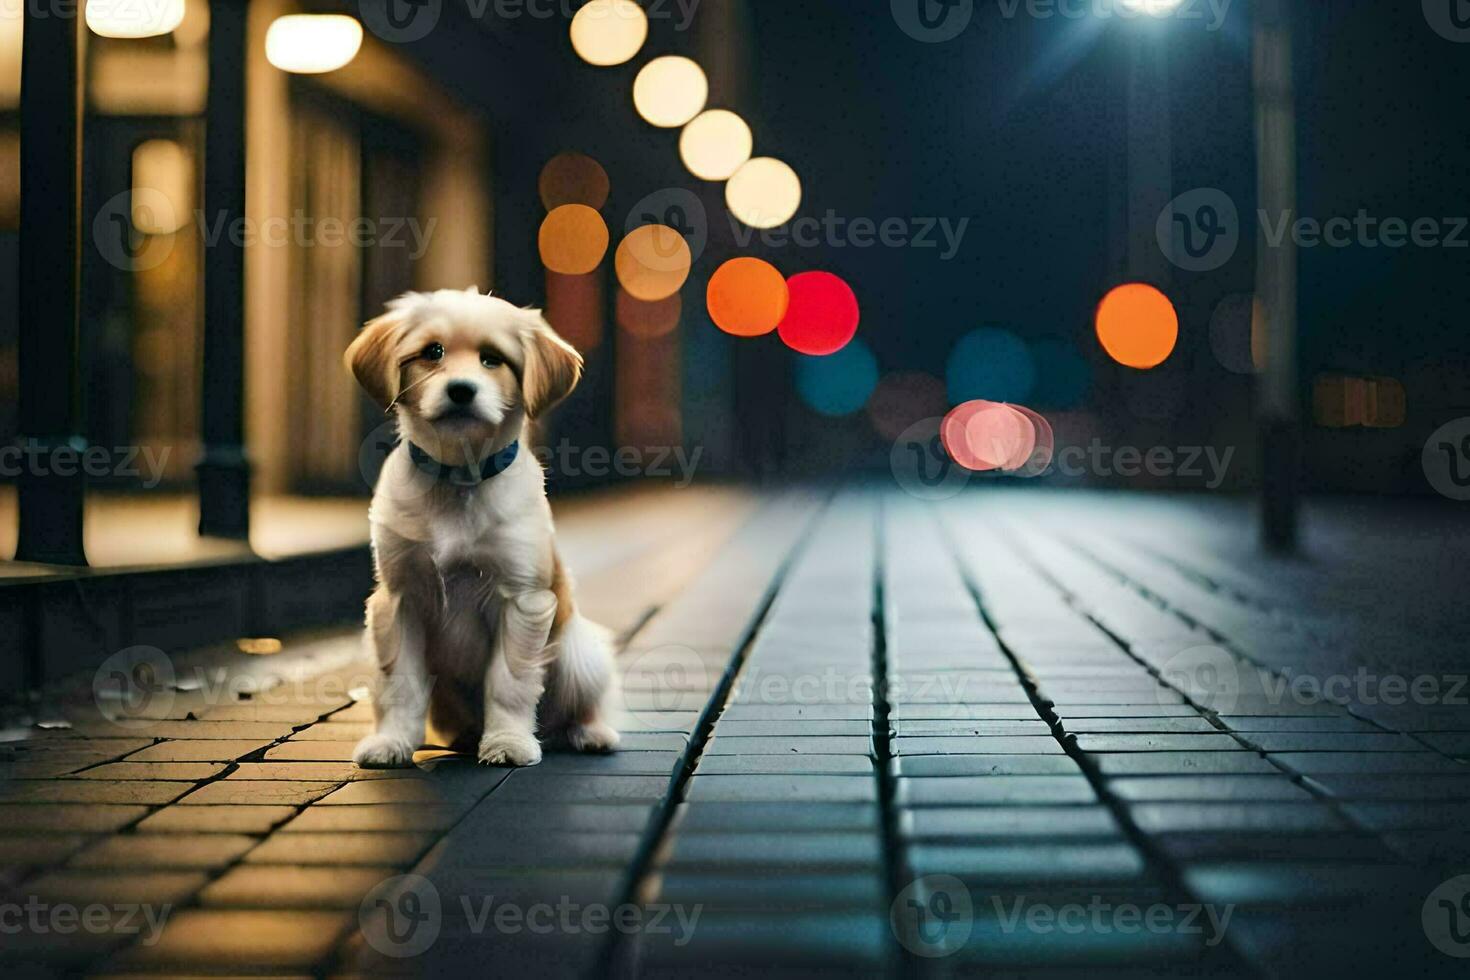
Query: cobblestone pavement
[[1006, 734]]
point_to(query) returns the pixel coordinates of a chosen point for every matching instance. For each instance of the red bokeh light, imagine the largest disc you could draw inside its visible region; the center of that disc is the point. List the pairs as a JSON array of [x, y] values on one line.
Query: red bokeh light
[[823, 314]]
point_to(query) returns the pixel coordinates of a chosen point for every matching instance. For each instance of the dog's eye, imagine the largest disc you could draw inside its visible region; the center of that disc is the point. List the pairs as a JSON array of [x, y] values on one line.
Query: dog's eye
[[490, 359], [434, 352]]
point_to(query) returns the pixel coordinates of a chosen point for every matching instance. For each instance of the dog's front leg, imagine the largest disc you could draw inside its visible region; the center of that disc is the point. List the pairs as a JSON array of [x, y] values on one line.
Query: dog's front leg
[[401, 702], [516, 678]]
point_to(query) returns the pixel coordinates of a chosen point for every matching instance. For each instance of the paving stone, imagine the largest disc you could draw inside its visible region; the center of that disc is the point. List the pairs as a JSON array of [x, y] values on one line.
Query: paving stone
[[131, 793], [965, 745], [1181, 725], [260, 792], [65, 818], [984, 765], [1301, 884], [1456, 744], [777, 817], [835, 765], [1066, 701], [113, 887], [164, 852], [369, 817], [963, 712], [793, 852], [1315, 763], [199, 750], [740, 943], [333, 731], [773, 788], [1034, 865], [1159, 743], [321, 772], [1007, 823], [795, 712], [1333, 742], [994, 790], [525, 787], [1272, 847], [295, 714], [277, 887], [798, 745], [224, 819], [1180, 763], [399, 849], [1224, 789], [810, 890], [18, 852], [467, 892], [417, 790], [311, 751], [1390, 786], [188, 772], [652, 742], [496, 816], [1446, 849], [1418, 815], [536, 847], [1323, 723], [1152, 709], [798, 727], [1244, 817], [226, 730], [620, 763], [216, 940], [982, 729]]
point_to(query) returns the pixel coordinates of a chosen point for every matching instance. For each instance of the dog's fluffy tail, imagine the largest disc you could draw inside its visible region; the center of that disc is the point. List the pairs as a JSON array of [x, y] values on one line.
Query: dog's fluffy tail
[[582, 673]]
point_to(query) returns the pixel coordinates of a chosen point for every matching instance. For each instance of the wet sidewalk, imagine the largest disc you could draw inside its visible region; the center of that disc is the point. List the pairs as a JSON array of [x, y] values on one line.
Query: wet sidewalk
[[864, 735]]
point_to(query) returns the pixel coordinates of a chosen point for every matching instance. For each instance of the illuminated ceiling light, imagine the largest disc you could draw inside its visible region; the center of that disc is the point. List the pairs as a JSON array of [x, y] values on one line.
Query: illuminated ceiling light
[[134, 18], [310, 44], [609, 32], [1137, 326], [822, 316], [653, 262], [573, 178], [163, 187], [670, 91], [715, 144], [764, 193], [1153, 8], [747, 297], [573, 240]]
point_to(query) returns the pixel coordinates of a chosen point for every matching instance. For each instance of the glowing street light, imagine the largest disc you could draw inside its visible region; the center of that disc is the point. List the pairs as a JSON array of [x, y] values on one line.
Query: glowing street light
[[311, 44], [134, 18]]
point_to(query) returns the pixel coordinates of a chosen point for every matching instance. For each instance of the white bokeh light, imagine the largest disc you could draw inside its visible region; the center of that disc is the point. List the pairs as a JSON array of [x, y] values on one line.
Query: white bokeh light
[[764, 193], [715, 144], [670, 91], [609, 32]]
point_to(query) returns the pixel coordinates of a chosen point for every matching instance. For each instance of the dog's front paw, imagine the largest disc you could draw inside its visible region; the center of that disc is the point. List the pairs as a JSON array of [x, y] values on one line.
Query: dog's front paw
[[596, 736], [508, 748], [383, 752]]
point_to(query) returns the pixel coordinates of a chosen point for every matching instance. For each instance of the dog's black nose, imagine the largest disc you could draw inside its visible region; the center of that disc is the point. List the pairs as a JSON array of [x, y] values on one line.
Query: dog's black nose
[[461, 392]]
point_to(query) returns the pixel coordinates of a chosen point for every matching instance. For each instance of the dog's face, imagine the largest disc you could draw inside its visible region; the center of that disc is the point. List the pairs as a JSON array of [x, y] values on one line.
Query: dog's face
[[463, 371]]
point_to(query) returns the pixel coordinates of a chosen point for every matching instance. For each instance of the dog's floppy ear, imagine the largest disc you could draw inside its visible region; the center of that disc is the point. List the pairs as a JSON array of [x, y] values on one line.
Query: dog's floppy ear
[[552, 366], [372, 356]]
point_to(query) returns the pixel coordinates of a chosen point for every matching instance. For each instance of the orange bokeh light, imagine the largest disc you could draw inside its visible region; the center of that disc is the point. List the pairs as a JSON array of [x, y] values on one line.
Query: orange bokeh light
[[1137, 326], [573, 240], [653, 262], [747, 297]]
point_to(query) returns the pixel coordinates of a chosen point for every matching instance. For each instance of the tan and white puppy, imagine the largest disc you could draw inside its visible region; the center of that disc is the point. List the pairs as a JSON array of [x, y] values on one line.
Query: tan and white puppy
[[473, 619]]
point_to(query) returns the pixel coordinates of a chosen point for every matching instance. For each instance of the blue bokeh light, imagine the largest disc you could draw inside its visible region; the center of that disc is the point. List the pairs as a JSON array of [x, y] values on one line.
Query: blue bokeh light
[[990, 364], [838, 384]]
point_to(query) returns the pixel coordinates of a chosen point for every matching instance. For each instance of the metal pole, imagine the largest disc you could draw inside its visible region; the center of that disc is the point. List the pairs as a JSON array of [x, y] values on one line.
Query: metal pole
[[1276, 276], [51, 484], [224, 471]]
